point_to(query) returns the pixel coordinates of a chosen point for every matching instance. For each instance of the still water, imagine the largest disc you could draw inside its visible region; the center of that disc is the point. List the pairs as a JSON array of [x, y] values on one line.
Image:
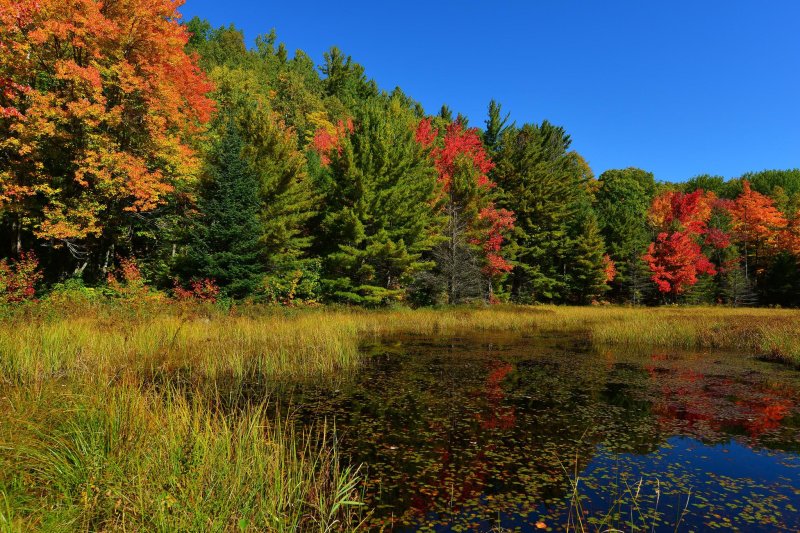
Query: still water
[[493, 433]]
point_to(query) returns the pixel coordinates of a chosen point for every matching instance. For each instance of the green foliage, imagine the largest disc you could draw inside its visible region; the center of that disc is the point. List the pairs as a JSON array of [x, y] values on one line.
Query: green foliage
[[377, 217], [345, 79], [622, 202], [586, 269], [299, 286], [249, 87], [344, 204], [224, 240], [496, 126], [542, 183], [705, 182], [782, 185]]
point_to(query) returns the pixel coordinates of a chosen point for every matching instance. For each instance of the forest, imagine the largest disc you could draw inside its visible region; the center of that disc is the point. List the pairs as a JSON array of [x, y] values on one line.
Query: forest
[[173, 157]]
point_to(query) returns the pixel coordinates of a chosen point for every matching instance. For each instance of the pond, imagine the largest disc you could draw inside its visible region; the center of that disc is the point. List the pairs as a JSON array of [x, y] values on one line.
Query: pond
[[494, 432]]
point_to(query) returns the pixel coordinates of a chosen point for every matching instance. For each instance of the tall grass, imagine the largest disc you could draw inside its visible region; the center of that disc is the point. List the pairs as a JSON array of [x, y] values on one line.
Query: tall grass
[[104, 346], [131, 460]]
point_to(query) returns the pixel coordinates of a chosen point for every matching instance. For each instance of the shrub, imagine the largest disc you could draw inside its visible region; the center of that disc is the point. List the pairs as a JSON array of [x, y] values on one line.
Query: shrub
[[18, 278], [204, 290], [128, 283]]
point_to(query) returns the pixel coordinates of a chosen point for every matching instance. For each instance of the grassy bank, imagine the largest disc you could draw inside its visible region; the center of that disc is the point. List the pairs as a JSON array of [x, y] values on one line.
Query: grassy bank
[[105, 345], [95, 435]]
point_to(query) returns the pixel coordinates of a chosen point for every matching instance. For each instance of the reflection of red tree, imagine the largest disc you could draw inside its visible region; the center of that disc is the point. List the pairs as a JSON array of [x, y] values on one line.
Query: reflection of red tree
[[703, 402], [445, 486], [499, 416], [766, 414]]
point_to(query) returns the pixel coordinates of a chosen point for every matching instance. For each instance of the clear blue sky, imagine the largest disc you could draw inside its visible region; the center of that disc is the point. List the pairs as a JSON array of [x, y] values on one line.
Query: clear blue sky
[[676, 87]]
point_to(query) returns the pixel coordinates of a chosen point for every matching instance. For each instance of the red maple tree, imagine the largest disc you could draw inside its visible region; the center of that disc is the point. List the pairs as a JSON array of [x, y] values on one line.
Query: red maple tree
[[675, 260], [676, 257], [457, 145], [328, 139]]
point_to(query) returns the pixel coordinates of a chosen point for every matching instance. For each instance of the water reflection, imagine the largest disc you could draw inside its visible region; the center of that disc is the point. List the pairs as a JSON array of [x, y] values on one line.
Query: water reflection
[[480, 433]]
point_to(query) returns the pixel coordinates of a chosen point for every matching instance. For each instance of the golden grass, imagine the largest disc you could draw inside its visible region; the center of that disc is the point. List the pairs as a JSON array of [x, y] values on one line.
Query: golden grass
[[109, 347]]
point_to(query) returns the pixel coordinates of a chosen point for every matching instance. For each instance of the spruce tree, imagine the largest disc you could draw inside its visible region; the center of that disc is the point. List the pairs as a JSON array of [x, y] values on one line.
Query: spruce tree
[[224, 238], [586, 270]]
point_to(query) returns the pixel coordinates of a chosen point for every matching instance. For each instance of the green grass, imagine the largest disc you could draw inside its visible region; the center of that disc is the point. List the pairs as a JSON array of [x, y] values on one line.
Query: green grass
[[122, 458]]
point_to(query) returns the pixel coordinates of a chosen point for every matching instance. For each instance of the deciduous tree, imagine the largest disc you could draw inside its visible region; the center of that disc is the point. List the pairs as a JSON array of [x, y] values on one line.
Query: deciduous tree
[[100, 104]]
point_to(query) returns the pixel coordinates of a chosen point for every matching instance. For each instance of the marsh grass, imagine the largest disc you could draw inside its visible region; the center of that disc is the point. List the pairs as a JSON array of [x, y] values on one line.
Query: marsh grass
[[131, 460], [111, 416], [105, 346]]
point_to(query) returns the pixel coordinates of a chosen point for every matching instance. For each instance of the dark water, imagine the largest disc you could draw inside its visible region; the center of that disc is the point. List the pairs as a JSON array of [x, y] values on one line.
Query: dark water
[[488, 433]]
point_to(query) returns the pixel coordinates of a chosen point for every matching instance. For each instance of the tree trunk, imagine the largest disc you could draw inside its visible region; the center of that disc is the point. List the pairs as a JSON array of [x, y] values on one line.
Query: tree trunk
[[17, 246]]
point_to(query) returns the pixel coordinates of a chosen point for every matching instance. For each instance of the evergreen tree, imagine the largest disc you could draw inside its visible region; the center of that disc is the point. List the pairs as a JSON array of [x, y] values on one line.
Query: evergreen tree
[[622, 202], [496, 126], [224, 241], [541, 183], [287, 199], [263, 94], [587, 268], [377, 217], [345, 79]]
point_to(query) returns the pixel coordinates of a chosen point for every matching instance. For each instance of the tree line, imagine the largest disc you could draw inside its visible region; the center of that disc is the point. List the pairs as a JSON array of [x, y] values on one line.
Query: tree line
[[137, 147]]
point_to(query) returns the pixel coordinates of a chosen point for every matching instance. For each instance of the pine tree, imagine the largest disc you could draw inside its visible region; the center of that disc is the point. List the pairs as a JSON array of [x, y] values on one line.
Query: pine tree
[[287, 199], [496, 126], [345, 79], [377, 217], [249, 89], [224, 241], [623, 200], [541, 183]]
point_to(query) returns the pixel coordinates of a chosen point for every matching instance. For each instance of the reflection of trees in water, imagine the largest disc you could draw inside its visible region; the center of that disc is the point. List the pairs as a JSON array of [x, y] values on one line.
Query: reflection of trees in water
[[459, 433], [713, 407], [477, 433]]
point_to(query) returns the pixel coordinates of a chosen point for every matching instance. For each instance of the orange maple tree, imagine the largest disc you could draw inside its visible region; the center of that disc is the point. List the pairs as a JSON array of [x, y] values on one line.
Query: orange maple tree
[[99, 103], [757, 225]]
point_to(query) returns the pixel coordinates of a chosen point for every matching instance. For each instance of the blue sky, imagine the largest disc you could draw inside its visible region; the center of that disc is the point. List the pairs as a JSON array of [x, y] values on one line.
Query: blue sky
[[676, 87]]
